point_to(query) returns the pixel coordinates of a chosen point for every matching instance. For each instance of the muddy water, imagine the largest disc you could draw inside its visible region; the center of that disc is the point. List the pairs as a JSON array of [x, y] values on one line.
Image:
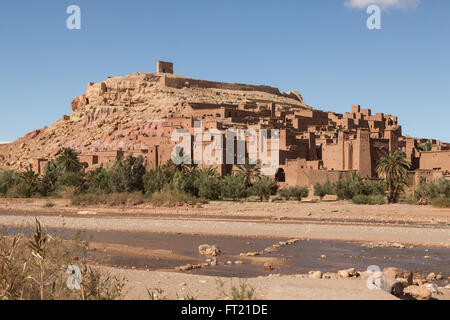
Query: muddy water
[[301, 257]]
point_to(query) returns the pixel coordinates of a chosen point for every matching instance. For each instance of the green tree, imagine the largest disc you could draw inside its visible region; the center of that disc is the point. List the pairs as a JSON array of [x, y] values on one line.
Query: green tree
[[234, 187], [426, 146], [394, 169], [99, 181], [67, 160], [8, 179], [126, 175], [28, 185], [249, 172], [264, 188]]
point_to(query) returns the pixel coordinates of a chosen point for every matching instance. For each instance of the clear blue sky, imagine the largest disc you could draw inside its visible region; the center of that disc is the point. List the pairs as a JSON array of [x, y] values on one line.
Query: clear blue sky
[[319, 48]]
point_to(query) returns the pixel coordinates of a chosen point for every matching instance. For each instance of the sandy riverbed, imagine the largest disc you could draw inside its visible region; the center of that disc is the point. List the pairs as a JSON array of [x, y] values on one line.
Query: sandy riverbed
[[342, 221]]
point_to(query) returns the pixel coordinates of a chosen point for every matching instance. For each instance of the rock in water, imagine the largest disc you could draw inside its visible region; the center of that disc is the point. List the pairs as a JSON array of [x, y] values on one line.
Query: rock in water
[[207, 250], [268, 266]]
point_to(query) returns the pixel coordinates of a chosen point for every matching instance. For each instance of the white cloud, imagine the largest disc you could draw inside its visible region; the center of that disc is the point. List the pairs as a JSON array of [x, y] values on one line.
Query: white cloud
[[385, 4], [4, 142]]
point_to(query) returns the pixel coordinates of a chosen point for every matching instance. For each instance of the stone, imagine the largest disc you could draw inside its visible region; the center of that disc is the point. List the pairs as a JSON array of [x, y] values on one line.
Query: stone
[[403, 281], [315, 275], [238, 262], [268, 266], [187, 267], [207, 250], [431, 277], [331, 276], [417, 292], [323, 256], [330, 198], [395, 273], [348, 273], [433, 288]]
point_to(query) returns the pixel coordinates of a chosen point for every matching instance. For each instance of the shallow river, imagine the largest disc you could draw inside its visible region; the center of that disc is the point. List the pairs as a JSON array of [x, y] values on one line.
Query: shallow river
[[300, 257]]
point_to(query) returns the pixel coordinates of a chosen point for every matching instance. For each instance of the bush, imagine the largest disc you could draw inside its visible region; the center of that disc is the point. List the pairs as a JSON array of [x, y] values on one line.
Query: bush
[[209, 188], [185, 182], [296, 193], [433, 190], [126, 175], [99, 181], [70, 179], [113, 199], [371, 199], [25, 186], [35, 267], [8, 179], [347, 189], [156, 179], [323, 190], [263, 188], [234, 187], [441, 202]]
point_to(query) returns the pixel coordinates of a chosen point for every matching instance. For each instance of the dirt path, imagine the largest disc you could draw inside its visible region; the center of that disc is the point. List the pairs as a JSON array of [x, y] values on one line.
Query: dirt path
[[340, 212]]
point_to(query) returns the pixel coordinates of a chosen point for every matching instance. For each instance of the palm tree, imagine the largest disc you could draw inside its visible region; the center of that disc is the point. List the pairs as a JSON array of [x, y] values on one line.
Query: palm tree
[[68, 160], [183, 162], [250, 172], [394, 169], [209, 172]]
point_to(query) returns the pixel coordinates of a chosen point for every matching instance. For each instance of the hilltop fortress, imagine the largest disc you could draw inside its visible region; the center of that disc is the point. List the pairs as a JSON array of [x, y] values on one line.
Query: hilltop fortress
[[138, 113]]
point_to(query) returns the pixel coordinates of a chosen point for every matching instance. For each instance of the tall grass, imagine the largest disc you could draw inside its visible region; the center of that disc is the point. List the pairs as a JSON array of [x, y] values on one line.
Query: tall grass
[[33, 267]]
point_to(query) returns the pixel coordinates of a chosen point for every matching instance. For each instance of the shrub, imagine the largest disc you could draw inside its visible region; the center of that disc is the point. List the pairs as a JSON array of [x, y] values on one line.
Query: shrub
[[70, 179], [263, 188], [209, 188], [99, 181], [441, 202], [156, 179], [25, 187], [34, 267], [347, 189], [296, 193], [8, 179], [323, 190], [126, 175], [369, 199], [185, 182], [285, 193], [432, 190], [113, 199], [234, 187]]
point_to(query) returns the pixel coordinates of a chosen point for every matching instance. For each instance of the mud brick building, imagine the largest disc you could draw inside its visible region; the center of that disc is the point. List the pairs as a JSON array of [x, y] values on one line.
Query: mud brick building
[[314, 145]]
